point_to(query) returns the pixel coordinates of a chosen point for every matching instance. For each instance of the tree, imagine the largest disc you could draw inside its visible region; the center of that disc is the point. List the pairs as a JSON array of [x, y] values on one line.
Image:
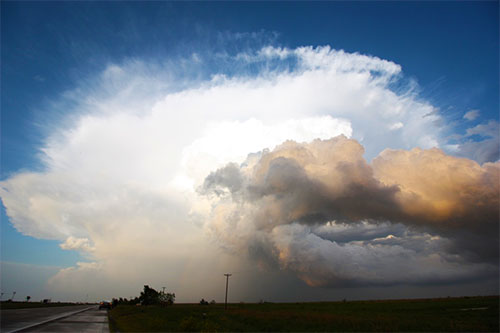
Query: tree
[[149, 296], [134, 301], [167, 298]]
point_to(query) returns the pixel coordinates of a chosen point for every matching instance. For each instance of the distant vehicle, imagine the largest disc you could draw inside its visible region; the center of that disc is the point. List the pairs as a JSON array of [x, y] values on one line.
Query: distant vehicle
[[104, 305]]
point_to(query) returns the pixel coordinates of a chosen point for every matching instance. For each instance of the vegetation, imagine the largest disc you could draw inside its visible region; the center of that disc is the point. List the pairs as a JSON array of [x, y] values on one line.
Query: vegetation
[[148, 296], [448, 314]]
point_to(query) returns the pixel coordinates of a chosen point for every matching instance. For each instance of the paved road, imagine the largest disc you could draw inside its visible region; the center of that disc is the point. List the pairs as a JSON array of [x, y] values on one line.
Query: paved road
[[61, 319], [93, 320]]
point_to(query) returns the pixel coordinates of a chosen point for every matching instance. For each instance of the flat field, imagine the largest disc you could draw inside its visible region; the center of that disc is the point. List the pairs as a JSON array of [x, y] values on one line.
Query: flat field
[[464, 314]]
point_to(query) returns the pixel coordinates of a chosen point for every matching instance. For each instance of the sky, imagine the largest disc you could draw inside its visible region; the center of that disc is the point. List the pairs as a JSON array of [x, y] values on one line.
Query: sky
[[315, 150]]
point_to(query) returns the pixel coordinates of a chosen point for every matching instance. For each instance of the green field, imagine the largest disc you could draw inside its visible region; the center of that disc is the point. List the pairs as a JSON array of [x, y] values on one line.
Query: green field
[[26, 305], [478, 314]]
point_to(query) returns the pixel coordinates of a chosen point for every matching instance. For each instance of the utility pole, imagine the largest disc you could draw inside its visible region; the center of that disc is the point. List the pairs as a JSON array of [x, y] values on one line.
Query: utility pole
[[227, 282], [163, 290]]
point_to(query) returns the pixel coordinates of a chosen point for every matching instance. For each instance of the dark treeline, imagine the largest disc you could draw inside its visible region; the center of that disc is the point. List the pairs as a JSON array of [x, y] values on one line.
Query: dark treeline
[[148, 296]]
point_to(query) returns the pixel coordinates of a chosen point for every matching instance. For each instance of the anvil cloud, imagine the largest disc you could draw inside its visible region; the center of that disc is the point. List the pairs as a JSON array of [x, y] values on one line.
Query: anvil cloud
[[139, 175]]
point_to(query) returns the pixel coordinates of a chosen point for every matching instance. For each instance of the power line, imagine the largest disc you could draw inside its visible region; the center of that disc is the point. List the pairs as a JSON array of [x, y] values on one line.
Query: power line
[[227, 282]]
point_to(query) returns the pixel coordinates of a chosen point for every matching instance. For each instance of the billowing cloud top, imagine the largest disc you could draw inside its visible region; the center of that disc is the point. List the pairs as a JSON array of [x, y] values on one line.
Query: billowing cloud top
[[328, 185], [330, 180], [121, 174]]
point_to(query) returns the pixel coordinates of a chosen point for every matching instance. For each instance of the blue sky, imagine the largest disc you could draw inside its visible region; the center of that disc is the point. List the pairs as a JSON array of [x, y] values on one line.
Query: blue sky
[[54, 54]]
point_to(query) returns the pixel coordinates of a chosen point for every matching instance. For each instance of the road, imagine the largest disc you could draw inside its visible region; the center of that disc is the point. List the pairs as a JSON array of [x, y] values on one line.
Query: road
[[56, 319]]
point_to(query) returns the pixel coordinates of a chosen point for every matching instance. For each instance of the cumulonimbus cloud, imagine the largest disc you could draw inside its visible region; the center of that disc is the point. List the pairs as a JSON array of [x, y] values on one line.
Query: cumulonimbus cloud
[[282, 197], [120, 174]]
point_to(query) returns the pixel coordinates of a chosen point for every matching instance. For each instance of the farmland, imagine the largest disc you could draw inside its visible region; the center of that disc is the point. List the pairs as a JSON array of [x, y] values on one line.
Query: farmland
[[430, 315]]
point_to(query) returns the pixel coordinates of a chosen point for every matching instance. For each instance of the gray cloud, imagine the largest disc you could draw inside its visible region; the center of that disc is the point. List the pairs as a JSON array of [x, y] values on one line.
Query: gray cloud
[[320, 210], [490, 129], [483, 151], [487, 148]]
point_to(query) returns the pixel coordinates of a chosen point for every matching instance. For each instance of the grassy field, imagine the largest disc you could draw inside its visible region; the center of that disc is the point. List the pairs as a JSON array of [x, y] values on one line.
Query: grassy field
[[26, 305], [478, 314]]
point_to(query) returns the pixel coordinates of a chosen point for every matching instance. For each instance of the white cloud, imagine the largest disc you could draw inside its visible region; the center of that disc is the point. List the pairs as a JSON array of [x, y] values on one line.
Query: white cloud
[[228, 141], [121, 173], [396, 126], [73, 243], [471, 115]]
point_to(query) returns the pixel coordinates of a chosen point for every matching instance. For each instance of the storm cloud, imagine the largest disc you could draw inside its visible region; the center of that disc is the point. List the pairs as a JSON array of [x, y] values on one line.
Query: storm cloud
[[118, 178], [321, 210]]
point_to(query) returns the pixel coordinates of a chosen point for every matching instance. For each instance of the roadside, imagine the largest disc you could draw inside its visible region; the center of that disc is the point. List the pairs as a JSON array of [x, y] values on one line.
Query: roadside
[[17, 319], [5, 305], [89, 321]]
